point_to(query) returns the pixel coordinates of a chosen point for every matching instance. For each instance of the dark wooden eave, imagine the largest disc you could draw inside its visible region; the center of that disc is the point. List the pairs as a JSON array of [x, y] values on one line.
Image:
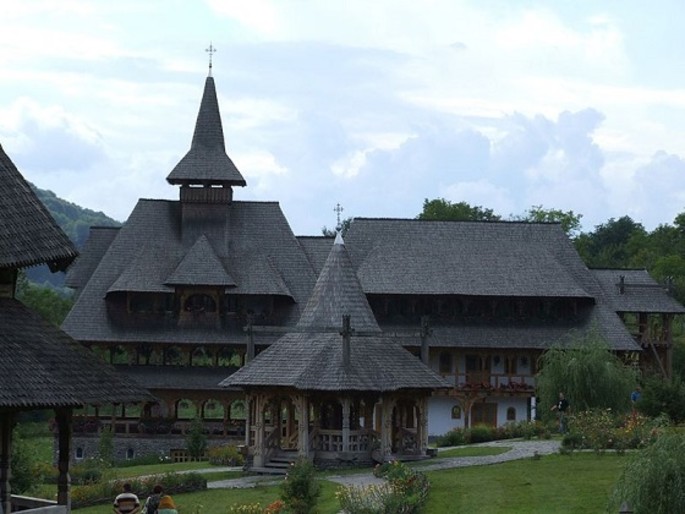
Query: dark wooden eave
[[29, 235]]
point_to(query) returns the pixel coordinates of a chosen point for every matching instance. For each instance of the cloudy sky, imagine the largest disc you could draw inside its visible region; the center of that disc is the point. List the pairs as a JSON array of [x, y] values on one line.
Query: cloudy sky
[[375, 105]]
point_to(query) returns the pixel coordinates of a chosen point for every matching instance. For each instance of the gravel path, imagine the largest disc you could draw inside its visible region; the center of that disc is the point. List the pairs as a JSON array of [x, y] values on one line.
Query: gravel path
[[519, 450]]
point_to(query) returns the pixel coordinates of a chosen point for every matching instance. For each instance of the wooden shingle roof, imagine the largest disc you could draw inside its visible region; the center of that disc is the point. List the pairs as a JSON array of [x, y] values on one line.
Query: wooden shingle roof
[[639, 292], [312, 359], [42, 367], [99, 239], [337, 292], [28, 233], [200, 266], [207, 162], [404, 256], [255, 247]]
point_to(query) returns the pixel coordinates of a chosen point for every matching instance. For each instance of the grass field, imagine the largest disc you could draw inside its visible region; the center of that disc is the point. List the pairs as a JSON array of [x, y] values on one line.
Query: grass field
[[579, 483]]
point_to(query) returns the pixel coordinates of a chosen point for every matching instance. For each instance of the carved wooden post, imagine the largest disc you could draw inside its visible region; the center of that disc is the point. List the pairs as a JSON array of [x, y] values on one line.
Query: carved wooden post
[[259, 431], [63, 416], [303, 428], [346, 424]]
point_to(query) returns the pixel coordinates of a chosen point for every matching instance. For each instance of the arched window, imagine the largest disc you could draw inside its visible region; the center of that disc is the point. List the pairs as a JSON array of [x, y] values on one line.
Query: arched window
[[456, 412], [198, 303], [237, 410], [130, 453], [511, 414], [78, 454]]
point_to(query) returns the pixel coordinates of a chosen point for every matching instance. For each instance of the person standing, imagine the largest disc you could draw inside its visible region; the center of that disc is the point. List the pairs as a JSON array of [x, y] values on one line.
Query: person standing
[[561, 407], [152, 502], [634, 398], [126, 502]]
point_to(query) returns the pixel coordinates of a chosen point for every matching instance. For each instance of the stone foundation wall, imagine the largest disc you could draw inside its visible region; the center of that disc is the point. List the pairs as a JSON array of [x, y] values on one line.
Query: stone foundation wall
[[127, 448]]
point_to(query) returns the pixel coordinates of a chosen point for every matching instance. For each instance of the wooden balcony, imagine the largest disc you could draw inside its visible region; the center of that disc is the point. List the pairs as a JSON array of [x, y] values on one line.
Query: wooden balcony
[[494, 382]]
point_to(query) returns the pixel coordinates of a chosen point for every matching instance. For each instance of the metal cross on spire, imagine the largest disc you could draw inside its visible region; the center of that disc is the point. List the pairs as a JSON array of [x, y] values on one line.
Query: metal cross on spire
[[211, 51], [338, 210]]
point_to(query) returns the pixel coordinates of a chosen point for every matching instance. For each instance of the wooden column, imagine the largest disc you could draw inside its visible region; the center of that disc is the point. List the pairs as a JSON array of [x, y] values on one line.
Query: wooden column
[[422, 425], [346, 424], [259, 449], [386, 426], [6, 427], [248, 418], [63, 416], [303, 429]]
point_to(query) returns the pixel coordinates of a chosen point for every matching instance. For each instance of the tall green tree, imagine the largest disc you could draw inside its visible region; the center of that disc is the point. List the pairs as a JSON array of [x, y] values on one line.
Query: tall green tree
[[444, 210], [609, 245], [569, 220], [588, 373], [50, 303]]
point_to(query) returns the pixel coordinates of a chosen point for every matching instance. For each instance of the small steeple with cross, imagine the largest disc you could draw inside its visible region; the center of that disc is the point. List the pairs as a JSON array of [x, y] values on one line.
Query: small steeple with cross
[[338, 210], [211, 51]]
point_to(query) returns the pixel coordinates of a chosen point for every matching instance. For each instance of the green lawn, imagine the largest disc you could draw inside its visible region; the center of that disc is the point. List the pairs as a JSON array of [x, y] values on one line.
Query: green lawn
[[579, 483]]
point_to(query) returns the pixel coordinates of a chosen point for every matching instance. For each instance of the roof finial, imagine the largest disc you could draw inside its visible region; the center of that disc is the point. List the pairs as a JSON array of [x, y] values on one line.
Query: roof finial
[[337, 210], [211, 50]]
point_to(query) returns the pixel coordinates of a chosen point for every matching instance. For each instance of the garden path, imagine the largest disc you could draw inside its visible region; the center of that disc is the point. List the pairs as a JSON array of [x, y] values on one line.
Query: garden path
[[520, 449]]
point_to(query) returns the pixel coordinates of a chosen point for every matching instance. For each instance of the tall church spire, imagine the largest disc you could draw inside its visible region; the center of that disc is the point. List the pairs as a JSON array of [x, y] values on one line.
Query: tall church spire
[[207, 163]]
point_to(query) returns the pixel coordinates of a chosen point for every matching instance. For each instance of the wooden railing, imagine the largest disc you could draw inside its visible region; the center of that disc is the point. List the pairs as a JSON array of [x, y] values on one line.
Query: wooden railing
[[332, 440], [494, 382]]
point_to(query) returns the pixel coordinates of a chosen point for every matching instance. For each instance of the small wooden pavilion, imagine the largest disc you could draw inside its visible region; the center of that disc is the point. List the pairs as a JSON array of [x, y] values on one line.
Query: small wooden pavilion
[[336, 394], [42, 367]]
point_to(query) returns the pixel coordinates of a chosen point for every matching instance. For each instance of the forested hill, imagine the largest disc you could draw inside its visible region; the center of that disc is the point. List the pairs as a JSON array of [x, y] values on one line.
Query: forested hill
[[75, 221]]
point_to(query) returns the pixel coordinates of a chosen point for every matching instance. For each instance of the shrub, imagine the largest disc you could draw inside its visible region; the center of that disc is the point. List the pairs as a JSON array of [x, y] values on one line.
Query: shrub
[[300, 491], [106, 446], [601, 429], [652, 482], [196, 440], [455, 437], [24, 461], [481, 434], [103, 492], [227, 455], [663, 396], [370, 499], [405, 493]]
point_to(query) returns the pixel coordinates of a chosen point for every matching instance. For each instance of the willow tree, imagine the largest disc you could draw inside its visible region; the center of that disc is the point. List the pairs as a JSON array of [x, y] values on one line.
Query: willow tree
[[588, 373]]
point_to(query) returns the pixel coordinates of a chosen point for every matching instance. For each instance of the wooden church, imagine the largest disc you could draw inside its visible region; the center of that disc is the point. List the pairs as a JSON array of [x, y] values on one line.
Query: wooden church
[[187, 292]]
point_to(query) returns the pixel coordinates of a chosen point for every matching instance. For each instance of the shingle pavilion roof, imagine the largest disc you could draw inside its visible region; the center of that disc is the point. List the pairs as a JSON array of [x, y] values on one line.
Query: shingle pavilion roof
[[43, 367], [207, 162], [313, 357], [28, 233]]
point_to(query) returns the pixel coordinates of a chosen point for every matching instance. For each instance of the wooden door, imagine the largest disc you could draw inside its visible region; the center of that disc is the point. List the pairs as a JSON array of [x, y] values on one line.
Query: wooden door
[[484, 414]]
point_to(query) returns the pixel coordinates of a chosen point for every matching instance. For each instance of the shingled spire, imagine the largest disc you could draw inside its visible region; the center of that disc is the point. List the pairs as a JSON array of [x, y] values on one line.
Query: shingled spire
[[337, 293], [206, 163]]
